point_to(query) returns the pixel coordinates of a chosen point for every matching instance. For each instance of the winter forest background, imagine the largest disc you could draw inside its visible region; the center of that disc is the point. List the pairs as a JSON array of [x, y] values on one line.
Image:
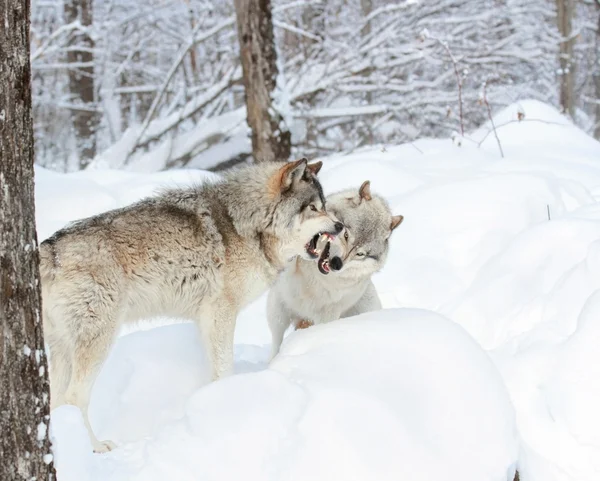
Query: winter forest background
[[157, 84]]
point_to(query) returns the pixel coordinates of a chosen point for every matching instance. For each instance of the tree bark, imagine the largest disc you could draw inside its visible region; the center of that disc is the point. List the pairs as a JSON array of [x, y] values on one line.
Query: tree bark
[[271, 140], [596, 78], [565, 10], [24, 388], [367, 7], [81, 81]]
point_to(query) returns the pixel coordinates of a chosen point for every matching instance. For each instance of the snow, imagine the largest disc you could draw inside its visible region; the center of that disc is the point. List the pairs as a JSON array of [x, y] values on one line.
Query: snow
[[323, 410], [201, 147], [42, 430], [483, 360]]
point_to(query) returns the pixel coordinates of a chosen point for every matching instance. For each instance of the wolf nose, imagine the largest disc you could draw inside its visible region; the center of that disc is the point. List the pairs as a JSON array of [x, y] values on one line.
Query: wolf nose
[[339, 227], [336, 263]]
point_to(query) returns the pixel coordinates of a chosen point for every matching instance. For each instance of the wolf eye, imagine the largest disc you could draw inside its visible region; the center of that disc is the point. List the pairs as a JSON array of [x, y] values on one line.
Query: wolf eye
[[360, 254], [346, 235], [313, 207]]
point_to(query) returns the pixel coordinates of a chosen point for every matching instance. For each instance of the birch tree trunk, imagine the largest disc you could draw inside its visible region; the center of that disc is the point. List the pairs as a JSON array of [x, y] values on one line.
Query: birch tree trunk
[[81, 81], [24, 389], [270, 138]]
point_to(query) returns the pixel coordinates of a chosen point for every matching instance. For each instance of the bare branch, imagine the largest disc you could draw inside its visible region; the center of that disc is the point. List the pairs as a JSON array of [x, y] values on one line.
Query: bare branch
[[459, 79], [516, 121], [490, 117], [182, 54]]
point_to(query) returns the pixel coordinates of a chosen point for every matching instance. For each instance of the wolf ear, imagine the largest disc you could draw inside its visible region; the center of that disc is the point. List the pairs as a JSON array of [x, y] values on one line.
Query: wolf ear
[[315, 167], [290, 172], [396, 221], [364, 193]]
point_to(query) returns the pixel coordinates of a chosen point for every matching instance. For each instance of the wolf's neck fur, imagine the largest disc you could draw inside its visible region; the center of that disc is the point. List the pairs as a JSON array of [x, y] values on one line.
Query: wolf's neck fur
[[237, 205], [245, 202]]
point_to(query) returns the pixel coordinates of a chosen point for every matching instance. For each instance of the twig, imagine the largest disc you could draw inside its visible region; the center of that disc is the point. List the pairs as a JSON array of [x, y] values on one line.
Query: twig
[[68, 28], [178, 61], [296, 30], [459, 79], [188, 110], [489, 112], [417, 148], [515, 121]]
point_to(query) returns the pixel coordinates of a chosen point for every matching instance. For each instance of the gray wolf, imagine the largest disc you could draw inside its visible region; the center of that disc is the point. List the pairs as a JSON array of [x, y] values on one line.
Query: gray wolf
[[340, 285], [200, 253]]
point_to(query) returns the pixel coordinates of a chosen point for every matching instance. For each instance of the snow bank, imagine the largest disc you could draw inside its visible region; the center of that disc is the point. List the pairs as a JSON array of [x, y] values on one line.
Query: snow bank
[[508, 248], [393, 394]]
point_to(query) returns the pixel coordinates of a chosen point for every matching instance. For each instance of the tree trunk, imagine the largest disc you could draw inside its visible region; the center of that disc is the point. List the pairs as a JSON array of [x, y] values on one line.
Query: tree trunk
[[270, 138], [81, 81], [596, 78], [24, 388], [565, 10], [367, 7]]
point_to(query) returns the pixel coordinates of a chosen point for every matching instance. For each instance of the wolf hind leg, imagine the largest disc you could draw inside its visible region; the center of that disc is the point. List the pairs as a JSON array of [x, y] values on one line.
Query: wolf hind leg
[[91, 347], [60, 369]]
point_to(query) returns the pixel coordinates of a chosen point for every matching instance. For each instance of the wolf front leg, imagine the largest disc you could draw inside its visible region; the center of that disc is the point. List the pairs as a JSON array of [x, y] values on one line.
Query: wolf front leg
[[368, 302], [279, 319], [217, 327]]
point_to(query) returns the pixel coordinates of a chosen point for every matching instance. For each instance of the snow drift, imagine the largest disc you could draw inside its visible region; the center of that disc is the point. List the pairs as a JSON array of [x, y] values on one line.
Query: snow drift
[[504, 248], [397, 393]]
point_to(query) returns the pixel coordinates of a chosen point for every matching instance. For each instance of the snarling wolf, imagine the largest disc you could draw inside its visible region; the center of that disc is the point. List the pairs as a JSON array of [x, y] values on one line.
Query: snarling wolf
[[200, 253], [340, 284]]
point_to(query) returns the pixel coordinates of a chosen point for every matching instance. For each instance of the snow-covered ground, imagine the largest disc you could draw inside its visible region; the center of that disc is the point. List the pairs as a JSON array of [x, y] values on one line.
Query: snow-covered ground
[[485, 359]]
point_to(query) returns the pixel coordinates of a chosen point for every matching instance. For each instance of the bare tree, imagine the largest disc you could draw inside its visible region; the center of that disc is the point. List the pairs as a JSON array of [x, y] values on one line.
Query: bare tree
[[25, 394], [366, 7], [270, 138], [596, 76], [564, 15], [80, 57], [167, 74]]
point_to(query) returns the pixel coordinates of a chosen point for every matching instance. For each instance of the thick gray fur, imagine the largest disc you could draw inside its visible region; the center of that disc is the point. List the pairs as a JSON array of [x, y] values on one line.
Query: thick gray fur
[[200, 253]]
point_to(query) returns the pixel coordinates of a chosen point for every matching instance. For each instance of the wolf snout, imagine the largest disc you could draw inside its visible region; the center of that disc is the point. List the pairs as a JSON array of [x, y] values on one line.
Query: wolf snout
[[339, 227]]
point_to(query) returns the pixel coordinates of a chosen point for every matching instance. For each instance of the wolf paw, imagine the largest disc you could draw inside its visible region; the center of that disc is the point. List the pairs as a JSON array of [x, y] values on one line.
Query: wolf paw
[[104, 446], [304, 324]]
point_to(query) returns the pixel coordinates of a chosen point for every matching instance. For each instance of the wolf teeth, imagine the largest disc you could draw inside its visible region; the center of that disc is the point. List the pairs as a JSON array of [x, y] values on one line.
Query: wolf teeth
[[321, 243]]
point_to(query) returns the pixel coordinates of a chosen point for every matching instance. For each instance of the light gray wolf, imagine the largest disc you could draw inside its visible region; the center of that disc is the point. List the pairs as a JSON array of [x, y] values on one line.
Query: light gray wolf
[[200, 253], [305, 294]]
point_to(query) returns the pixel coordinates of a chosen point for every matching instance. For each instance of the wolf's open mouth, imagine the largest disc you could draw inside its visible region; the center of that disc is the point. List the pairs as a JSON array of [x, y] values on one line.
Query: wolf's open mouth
[[323, 262], [319, 247], [313, 247]]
